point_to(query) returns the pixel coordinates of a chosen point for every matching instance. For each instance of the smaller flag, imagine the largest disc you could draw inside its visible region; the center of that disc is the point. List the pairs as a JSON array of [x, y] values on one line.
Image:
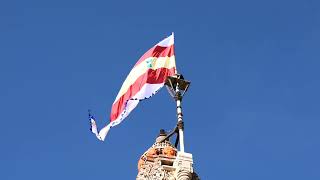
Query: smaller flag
[[93, 127]]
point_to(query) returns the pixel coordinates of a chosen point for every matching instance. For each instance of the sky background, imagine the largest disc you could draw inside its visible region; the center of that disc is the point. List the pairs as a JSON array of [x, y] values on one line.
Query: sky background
[[252, 111]]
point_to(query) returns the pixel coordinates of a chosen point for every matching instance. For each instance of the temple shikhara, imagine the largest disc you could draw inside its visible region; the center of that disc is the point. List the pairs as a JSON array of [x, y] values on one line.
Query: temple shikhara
[[162, 161]]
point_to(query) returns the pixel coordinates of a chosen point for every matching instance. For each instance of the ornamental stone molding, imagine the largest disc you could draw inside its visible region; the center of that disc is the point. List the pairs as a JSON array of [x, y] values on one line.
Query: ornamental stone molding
[[162, 161]]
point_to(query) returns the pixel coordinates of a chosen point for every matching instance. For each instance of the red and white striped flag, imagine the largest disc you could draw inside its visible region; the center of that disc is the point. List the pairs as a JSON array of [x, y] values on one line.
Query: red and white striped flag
[[145, 79]]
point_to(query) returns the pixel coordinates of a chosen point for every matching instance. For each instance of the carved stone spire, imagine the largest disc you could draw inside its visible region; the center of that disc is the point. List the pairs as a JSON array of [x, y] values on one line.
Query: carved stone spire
[[162, 161]]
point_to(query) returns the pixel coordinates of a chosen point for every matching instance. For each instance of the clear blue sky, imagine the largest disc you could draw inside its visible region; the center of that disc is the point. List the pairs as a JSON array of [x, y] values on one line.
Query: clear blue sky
[[252, 111]]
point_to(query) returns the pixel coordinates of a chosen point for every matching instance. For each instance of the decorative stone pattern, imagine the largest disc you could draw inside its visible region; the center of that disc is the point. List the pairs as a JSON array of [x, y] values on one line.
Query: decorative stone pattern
[[162, 161]]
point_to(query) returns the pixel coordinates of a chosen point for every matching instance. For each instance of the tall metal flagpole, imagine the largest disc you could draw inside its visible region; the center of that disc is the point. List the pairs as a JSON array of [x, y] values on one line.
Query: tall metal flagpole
[[177, 87], [180, 118]]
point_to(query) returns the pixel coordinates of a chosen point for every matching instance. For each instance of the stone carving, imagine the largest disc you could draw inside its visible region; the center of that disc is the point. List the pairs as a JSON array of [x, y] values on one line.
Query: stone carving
[[162, 161]]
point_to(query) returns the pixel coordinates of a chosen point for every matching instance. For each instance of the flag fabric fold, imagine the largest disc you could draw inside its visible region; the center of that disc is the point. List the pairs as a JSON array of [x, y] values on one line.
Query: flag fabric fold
[[145, 79], [94, 128]]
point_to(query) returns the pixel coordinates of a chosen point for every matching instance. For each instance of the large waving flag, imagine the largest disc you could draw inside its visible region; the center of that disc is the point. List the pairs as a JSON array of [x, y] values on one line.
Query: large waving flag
[[145, 79]]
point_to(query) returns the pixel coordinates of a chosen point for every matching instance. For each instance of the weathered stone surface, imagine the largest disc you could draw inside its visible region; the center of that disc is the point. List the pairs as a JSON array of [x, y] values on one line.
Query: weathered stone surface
[[162, 161]]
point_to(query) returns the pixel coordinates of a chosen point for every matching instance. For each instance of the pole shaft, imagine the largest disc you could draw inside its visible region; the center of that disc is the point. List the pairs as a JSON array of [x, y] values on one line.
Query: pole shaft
[[180, 119]]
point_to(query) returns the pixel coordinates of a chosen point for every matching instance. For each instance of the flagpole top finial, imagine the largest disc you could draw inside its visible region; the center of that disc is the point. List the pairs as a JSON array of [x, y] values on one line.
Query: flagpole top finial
[[177, 86]]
